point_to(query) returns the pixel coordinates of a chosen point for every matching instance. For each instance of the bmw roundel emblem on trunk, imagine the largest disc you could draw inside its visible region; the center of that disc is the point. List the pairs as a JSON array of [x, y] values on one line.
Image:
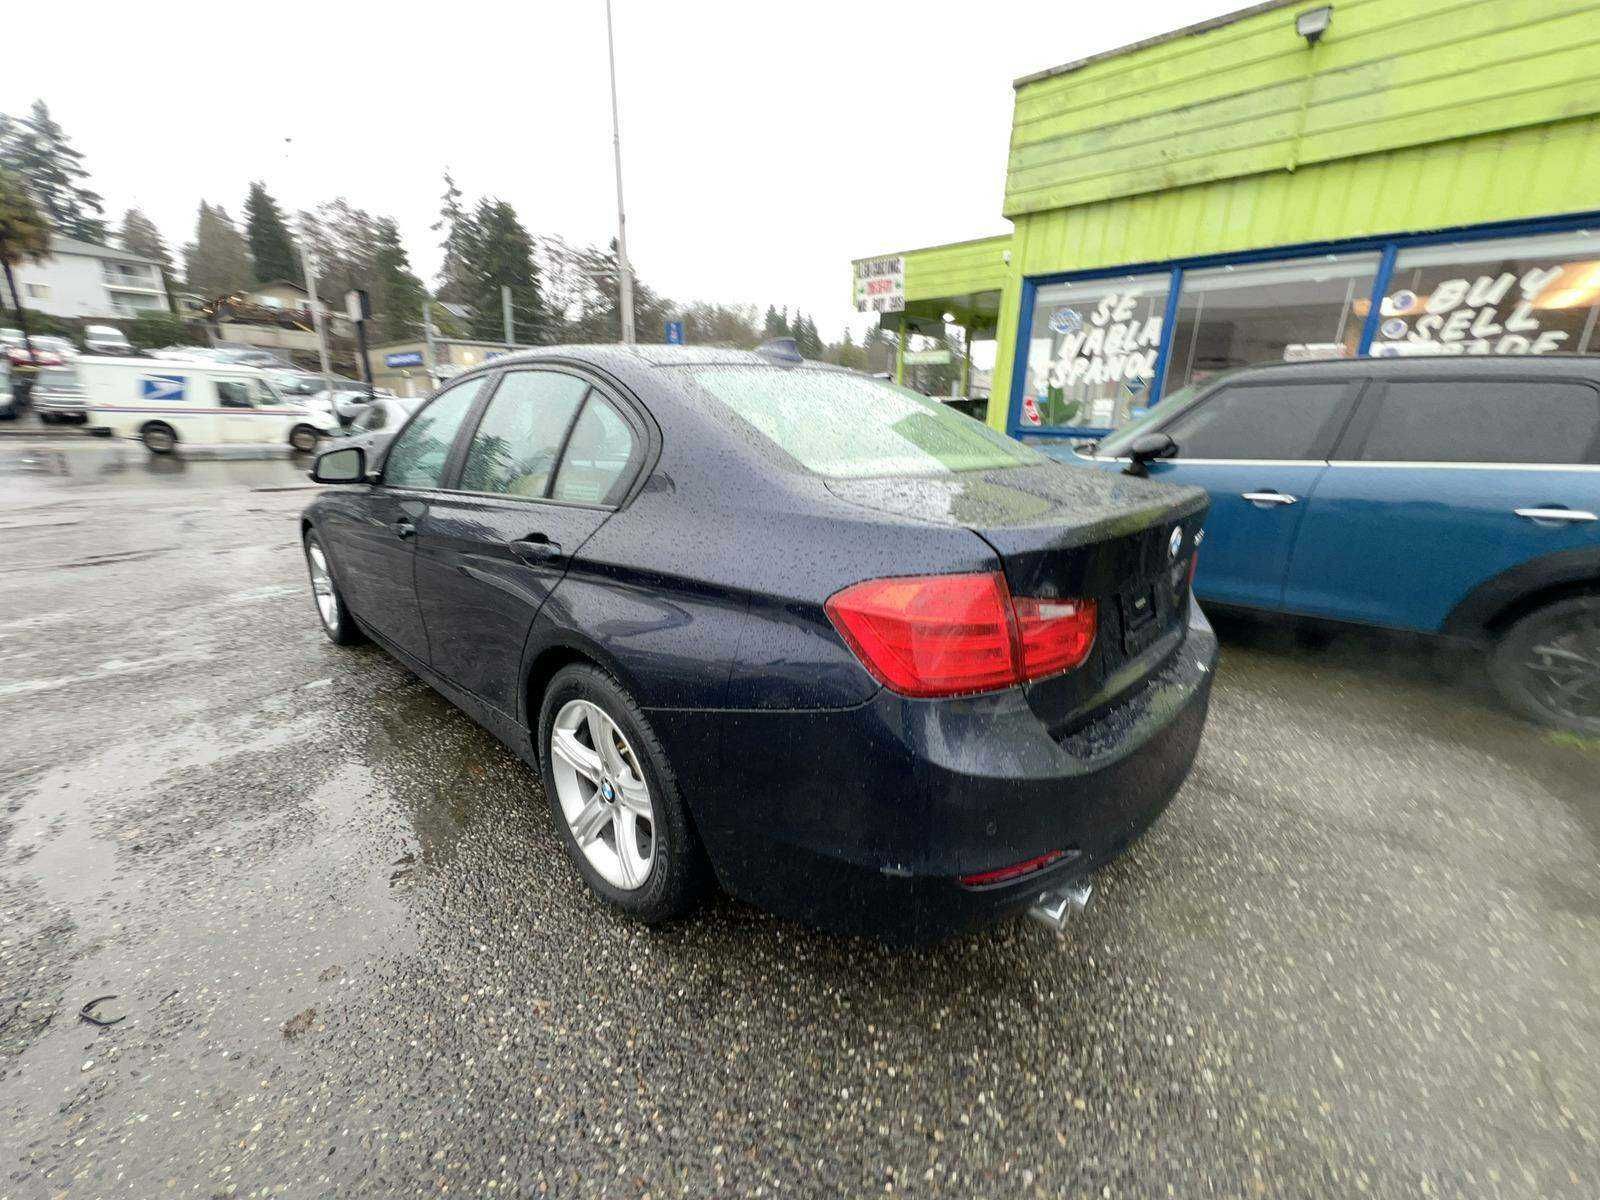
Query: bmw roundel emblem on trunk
[[1175, 542]]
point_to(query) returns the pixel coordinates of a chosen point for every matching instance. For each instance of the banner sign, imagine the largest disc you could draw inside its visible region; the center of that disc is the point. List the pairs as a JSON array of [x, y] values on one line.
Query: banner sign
[[881, 284], [405, 358]]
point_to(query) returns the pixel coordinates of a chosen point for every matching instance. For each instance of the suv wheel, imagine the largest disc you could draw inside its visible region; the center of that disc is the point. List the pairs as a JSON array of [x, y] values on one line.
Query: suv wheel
[[1547, 665], [614, 799]]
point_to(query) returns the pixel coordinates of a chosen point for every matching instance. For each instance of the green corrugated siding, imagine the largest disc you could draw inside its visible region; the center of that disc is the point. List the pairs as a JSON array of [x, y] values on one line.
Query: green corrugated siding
[[1250, 97], [1537, 171], [936, 272]]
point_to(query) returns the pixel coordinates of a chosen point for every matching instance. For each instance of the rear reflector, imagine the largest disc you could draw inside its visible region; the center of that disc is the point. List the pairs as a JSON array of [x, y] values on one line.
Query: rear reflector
[[949, 635], [1015, 871]]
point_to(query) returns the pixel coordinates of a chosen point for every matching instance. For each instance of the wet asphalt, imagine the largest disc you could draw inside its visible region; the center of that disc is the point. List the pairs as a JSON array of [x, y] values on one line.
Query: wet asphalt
[[1359, 956]]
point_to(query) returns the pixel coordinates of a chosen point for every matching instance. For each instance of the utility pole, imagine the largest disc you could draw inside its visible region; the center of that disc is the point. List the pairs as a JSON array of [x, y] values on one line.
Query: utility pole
[[309, 264], [505, 310], [624, 273]]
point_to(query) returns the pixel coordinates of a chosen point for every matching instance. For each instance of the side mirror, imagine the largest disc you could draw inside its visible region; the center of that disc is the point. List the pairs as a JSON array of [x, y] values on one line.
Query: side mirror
[[1146, 449], [348, 464]]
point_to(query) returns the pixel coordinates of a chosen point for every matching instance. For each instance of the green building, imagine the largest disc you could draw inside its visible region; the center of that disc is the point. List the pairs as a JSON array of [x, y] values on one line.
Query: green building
[[1289, 181]]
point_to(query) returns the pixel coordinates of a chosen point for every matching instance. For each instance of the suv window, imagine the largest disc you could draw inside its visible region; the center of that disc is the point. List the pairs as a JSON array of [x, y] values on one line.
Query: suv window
[[1483, 420], [1262, 421], [419, 455], [514, 450], [597, 454]]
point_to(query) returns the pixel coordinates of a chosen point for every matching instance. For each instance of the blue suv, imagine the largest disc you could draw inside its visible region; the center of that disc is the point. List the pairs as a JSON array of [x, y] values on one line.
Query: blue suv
[[1450, 496]]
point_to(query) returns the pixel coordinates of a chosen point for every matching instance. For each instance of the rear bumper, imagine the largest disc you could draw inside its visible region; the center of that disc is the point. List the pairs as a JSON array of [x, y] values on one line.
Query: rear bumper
[[863, 820]]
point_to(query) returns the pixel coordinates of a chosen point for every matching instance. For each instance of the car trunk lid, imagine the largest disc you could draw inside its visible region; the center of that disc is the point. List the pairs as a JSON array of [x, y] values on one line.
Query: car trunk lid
[[1064, 532]]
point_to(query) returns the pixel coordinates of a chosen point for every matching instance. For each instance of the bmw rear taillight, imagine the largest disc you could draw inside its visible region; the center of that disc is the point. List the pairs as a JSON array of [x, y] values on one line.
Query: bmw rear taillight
[[949, 635]]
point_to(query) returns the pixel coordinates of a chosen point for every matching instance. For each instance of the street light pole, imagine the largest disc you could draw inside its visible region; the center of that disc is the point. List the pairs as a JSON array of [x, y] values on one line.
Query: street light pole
[[310, 266], [624, 273]]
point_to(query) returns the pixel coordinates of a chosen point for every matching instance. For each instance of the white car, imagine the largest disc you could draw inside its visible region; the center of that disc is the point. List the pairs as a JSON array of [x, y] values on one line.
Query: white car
[[106, 339], [168, 402]]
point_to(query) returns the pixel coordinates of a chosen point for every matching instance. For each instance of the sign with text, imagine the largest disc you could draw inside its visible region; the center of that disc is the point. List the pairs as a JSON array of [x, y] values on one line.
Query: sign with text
[[881, 284], [405, 358], [674, 333]]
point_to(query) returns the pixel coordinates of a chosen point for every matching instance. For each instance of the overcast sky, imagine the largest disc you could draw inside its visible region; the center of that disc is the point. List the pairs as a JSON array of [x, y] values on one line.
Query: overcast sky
[[759, 155]]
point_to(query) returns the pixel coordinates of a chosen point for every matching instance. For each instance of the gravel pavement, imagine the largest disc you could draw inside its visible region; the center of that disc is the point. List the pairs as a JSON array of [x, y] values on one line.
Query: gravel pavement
[[1359, 956]]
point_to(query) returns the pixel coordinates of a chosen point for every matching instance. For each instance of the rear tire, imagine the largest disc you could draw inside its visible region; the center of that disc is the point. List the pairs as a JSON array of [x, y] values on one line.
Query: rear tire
[[332, 611], [159, 438], [678, 874], [303, 438], [48, 418], [1546, 665]]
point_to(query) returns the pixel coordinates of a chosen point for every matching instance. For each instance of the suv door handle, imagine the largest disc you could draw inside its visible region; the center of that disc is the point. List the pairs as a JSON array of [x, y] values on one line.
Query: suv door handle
[[403, 528], [536, 549], [1554, 514], [1260, 498]]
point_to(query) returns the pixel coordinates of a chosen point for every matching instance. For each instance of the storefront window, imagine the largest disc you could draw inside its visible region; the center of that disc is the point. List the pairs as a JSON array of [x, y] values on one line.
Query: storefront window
[[1305, 308], [1092, 352], [1537, 295]]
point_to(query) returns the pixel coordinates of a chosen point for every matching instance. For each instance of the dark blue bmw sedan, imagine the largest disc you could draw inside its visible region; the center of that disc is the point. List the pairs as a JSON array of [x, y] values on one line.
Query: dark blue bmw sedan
[[852, 655]]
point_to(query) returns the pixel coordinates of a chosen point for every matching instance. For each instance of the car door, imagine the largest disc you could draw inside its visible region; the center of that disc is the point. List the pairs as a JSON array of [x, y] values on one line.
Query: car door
[[538, 477], [238, 420], [1444, 482], [372, 532], [1258, 447]]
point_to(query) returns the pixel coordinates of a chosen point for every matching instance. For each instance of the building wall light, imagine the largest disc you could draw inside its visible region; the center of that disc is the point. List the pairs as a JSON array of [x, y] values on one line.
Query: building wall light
[[1313, 23]]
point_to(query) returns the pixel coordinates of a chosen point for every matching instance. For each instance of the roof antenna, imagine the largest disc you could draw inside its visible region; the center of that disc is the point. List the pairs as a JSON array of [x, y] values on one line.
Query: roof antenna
[[782, 349]]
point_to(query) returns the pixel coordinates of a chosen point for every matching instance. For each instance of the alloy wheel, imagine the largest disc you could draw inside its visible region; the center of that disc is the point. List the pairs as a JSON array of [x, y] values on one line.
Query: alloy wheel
[[1561, 671], [603, 794], [322, 587]]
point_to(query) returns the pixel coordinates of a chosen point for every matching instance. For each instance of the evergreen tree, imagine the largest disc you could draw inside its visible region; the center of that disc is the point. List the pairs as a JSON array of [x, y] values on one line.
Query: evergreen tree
[[217, 262], [37, 149], [140, 236], [24, 237], [455, 224], [501, 255], [776, 325], [271, 248], [397, 293]]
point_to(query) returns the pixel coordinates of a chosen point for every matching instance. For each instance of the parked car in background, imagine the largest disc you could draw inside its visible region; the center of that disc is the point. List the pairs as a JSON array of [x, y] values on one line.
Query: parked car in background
[[106, 339], [58, 396], [61, 347], [165, 403], [8, 401], [348, 403], [384, 417], [17, 351], [1458, 497], [870, 662]]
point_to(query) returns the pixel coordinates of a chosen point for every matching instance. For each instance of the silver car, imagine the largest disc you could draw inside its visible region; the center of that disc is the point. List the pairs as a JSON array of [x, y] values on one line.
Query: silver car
[[58, 396]]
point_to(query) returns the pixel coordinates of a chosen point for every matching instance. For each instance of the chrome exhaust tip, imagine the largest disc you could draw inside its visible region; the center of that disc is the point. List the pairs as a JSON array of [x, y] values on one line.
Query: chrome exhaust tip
[[1059, 905]]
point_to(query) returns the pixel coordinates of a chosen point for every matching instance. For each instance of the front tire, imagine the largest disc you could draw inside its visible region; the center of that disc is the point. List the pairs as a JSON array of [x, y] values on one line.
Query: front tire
[[332, 611], [158, 438], [303, 438], [614, 799], [1547, 665]]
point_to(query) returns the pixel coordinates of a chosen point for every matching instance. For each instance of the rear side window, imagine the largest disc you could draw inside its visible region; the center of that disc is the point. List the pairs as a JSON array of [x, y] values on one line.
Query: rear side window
[[1283, 421], [1486, 421], [848, 426], [514, 450], [419, 455], [597, 454]]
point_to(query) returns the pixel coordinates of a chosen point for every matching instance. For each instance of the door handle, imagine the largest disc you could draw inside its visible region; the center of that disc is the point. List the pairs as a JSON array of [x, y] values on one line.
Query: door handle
[[536, 549], [1554, 514], [404, 529], [1260, 498]]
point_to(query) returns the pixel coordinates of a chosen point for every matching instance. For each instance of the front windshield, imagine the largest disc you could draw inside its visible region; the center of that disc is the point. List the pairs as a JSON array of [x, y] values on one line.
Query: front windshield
[[843, 425], [1116, 444], [265, 393]]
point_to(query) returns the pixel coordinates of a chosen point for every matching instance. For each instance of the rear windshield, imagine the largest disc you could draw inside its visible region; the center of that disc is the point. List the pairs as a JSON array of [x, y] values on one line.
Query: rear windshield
[[841, 425]]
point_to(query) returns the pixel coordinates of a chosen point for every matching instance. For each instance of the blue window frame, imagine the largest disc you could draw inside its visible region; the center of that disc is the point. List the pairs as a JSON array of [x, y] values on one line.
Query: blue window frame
[[1388, 248]]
